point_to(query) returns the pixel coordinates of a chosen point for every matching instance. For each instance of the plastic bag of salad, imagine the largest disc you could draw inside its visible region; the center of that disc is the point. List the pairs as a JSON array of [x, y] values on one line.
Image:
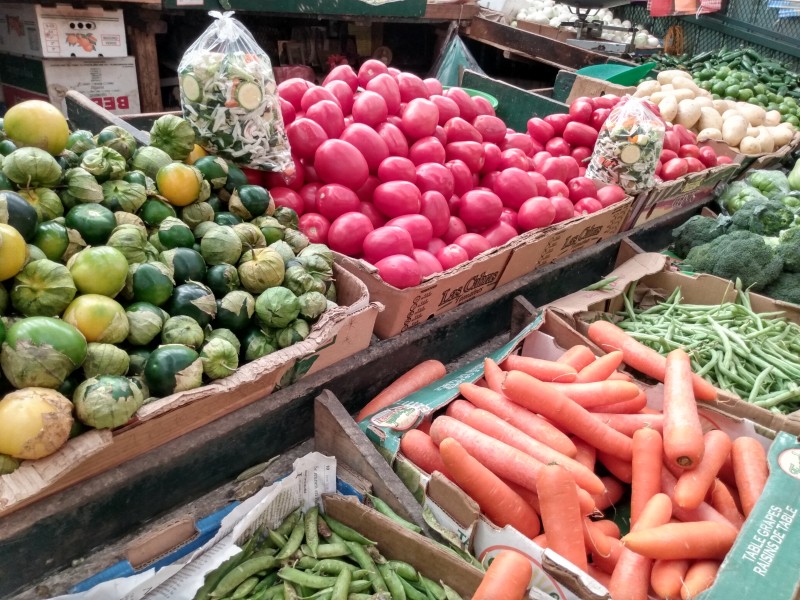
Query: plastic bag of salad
[[229, 95], [628, 147]]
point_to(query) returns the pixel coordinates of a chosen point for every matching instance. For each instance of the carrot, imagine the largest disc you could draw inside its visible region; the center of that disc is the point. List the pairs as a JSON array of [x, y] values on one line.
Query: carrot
[[543, 398], [699, 577], [529, 496], [619, 376], [425, 425], [693, 485], [418, 447], [587, 454], [578, 357], [492, 374], [666, 578], [508, 577], [631, 577], [607, 564], [724, 502], [541, 540], [600, 575], [459, 409], [601, 368], [631, 406], [683, 434], [409, 382], [597, 543], [614, 493], [629, 423], [750, 470], [726, 473], [599, 393], [545, 370], [497, 501], [618, 467], [561, 514], [700, 539], [645, 360], [500, 458], [704, 512], [519, 417], [609, 528], [492, 425], [645, 469]]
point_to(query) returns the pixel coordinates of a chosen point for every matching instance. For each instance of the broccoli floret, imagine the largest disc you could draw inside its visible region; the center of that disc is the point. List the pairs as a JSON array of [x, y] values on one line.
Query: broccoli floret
[[789, 249], [786, 287], [765, 217], [736, 194], [773, 184], [737, 255], [696, 231]]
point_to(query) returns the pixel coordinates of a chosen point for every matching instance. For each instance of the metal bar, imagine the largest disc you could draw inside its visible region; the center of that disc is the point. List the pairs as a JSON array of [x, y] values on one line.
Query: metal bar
[[749, 33]]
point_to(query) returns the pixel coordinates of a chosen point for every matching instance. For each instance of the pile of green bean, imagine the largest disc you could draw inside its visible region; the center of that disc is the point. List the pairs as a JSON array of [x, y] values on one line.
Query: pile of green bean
[[755, 355], [313, 556]]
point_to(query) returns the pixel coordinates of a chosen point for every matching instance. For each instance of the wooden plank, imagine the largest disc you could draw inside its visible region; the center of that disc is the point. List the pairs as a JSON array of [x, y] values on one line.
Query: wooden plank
[[532, 45], [450, 12], [142, 40], [402, 8], [85, 114]]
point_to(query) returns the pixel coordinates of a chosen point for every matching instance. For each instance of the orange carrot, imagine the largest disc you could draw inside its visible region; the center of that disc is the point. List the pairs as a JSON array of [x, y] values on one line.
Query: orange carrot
[[597, 543], [609, 528], [503, 460], [543, 398], [541, 540], [750, 469], [561, 514], [699, 577], [724, 502], [631, 406], [645, 360], [409, 382], [519, 417], [726, 473], [600, 369], [693, 485], [618, 467], [607, 564], [459, 409], [496, 427], [683, 434], [645, 469], [704, 512], [600, 575], [614, 493], [493, 375], [578, 357], [508, 577], [696, 540], [599, 393], [530, 497], [666, 578], [497, 501], [418, 447], [587, 454], [544, 370], [629, 423], [631, 577], [620, 376], [425, 425]]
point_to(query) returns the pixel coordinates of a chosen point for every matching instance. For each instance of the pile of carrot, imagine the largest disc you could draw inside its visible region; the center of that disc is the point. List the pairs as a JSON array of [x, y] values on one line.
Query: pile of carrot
[[547, 446]]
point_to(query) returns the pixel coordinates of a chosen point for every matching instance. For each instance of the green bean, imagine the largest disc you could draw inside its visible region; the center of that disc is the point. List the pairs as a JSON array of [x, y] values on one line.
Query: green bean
[[312, 534], [779, 398], [266, 582], [293, 542], [274, 592], [364, 560], [244, 588], [331, 566], [360, 585], [287, 525], [277, 538], [405, 570], [360, 597], [289, 593], [212, 578], [243, 571], [433, 588], [393, 582], [412, 593], [342, 586], [305, 578], [346, 533], [333, 550], [306, 562], [450, 593], [386, 510]]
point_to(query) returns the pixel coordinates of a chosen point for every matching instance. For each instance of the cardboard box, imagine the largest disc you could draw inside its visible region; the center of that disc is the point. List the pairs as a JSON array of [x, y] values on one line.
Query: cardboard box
[[650, 270], [62, 31], [556, 33], [340, 332], [109, 82], [765, 160], [594, 88]]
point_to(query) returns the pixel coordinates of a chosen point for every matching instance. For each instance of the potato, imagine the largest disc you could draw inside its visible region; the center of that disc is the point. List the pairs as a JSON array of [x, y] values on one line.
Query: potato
[[781, 134], [666, 77], [688, 113], [765, 140], [646, 89], [754, 114], [772, 117], [731, 112], [687, 83], [749, 145], [668, 108], [721, 105], [752, 131], [705, 101], [683, 94], [709, 134], [709, 118], [734, 130]]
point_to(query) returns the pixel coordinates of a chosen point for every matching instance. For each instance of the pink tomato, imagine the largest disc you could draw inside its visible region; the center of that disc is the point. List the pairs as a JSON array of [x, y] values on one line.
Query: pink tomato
[[435, 245], [308, 193], [316, 94], [448, 109], [536, 212], [724, 160], [599, 117], [305, 136], [540, 130], [473, 243], [518, 140], [557, 188], [588, 206], [490, 128], [453, 203], [294, 181], [375, 217], [581, 187], [509, 215], [684, 135], [399, 271], [487, 180], [337, 161], [435, 176], [695, 165], [608, 101], [333, 200], [707, 156], [462, 176], [397, 198], [397, 168], [580, 134], [346, 234], [288, 113], [554, 169], [672, 141], [365, 192], [342, 92], [385, 85], [514, 186], [343, 73], [469, 152], [483, 106], [539, 181], [287, 197], [455, 228], [428, 263], [673, 169], [538, 160], [418, 226], [292, 90], [514, 157], [420, 118], [558, 122], [558, 147], [581, 154], [459, 130], [254, 176], [367, 141], [433, 85], [411, 87], [581, 110], [564, 208], [492, 156], [369, 108], [393, 137], [480, 209], [610, 194], [369, 70], [451, 256], [315, 227], [434, 207], [385, 241], [466, 106], [427, 150], [499, 233], [687, 150], [329, 116]]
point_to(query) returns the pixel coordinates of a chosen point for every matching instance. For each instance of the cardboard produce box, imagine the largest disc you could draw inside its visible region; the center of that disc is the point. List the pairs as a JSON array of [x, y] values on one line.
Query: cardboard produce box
[[765, 160], [591, 87], [340, 333], [108, 82], [62, 31]]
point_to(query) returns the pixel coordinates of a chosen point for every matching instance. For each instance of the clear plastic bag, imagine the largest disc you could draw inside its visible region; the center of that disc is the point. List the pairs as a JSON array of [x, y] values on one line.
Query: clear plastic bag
[[229, 95], [628, 147]]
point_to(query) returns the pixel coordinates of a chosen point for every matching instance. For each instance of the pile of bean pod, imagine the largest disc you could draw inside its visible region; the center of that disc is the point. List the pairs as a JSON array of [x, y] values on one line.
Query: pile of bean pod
[[313, 556], [754, 355]]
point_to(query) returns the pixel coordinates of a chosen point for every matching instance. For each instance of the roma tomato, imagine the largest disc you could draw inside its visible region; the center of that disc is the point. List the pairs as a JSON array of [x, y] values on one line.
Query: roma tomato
[[514, 157], [610, 194], [518, 140], [580, 134], [308, 193], [433, 85], [462, 176], [469, 152], [588, 206], [687, 150], [539, 181], [564, 208], [365, 192], [427, 150], [673, 169], [480, 209], [483, 106], [288, 113], [558, 122], [337, 161], [254, 176], [376, 218], [369, 70], [695, 164], [581, 154], [558, 147], [440, 135], [393, 137], [435, 245], [492, 156], [397, 168], [397, 198], [316, 94], [428, 263], [329, 116], [316, 227], [581, 110], [400, 271], [292, 90], [459, 130], [514, 186], [418, 226], [333, 200], [581, 187], [540, 130], [343, 73], [536, 212], [455, 228], [420, 118], [369, 108], [490, 128], [367, 141], [557, 188], [411, 87], [346, 234], [473, 243], [385, 241], [305, 136], [342, 93], [385, 85], [707, 156], [435, 176], [434, 207], [466, 107], [451, 256], [289, 198], [509, 215], [599, 117], [499, 233], [448, 109], [294, 181]]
